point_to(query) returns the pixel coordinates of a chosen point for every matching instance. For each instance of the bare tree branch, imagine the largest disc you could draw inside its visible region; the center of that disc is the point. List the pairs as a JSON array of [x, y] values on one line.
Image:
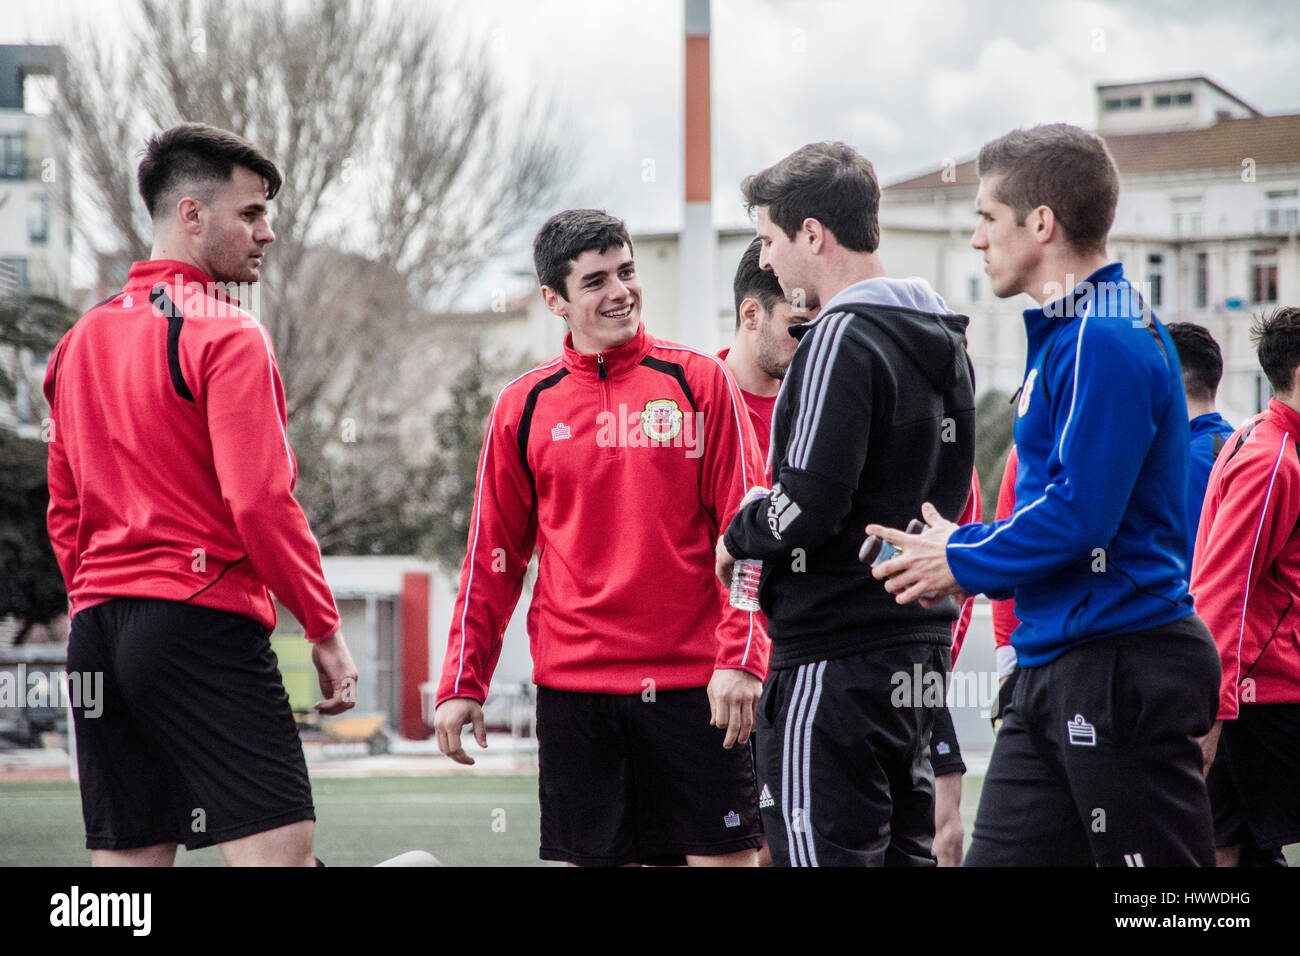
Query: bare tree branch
[[406, 170]]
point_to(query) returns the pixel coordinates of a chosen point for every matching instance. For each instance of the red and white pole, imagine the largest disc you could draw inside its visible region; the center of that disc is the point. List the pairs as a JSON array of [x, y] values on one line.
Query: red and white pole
[[697, 248]]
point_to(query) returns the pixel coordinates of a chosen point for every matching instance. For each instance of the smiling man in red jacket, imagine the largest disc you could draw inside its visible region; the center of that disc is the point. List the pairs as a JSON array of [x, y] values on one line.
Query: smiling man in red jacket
[[1246, 580], [619, 462], [171, 514]]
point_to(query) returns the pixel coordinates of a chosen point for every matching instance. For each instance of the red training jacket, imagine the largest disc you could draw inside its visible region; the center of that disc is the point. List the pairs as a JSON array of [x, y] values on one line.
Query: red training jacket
[[973, 511], [622, 468], [1246, 567], [1004, 612], [170, 471], [760, 415]]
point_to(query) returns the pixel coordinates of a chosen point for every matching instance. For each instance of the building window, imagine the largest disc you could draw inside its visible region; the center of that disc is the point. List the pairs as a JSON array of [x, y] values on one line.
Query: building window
[[13, 156], [1164, 99], [1183, 99], [1202, 280], [38, 219], [1156, 280], [13, 276], [1283, 209], [1263, 275], [1263, 392], [974, 288], [1123, 103]]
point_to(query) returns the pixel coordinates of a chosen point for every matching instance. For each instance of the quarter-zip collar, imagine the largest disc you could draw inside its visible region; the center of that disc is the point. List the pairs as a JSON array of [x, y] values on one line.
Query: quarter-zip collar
[[1286, 416], [611, 363], [181, 279], [1041, 323]]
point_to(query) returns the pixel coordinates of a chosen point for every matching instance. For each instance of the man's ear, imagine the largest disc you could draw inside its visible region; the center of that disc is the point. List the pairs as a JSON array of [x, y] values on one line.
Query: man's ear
[[189, 212], [555, 302], [812, 234], [1042, 224], [749, 314]]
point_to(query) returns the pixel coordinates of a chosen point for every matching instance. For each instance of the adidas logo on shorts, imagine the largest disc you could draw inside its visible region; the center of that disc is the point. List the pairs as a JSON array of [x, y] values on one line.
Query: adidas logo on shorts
[[765, 798]]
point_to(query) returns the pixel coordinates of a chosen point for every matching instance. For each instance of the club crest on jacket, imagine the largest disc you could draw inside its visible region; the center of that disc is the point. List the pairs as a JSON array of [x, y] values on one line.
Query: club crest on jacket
[[661, 419]]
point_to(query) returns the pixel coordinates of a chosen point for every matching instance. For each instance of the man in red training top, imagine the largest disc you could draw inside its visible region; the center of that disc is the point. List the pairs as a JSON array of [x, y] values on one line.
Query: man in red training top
[[619, 462], [763, 347], [171, 514], [1246, 580]]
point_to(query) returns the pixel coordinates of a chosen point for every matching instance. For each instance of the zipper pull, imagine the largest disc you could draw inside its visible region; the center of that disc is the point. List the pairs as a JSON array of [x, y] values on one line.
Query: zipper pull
[[600, 367]]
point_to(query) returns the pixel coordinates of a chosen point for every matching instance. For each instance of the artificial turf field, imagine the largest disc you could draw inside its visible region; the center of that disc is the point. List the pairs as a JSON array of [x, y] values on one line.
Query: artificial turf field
[[462, 819]]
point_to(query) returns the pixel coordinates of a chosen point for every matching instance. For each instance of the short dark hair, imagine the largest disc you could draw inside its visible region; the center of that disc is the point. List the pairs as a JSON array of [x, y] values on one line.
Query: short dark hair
[[752, 282], [569, 234], [1200, 357], [1277, 340], [1065, 168], [194, 157], [830, 182]]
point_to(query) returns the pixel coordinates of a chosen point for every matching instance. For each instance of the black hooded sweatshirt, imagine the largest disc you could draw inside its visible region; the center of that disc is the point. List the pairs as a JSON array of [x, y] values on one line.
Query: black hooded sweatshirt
[[876, 416]]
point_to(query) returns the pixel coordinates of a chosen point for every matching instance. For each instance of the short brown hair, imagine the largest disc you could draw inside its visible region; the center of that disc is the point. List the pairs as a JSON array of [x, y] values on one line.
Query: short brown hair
[[753, 282], [195, 157], [1200, 357], [569, 234], [1277, 340], [830, 182], [1062, 167]]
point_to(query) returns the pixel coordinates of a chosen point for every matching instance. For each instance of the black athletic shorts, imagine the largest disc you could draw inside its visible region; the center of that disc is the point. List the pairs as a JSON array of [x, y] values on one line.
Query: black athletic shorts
[[1255, 779], [626, 779], [945, 751], [1098, 760], [844, 758], [194, 742]]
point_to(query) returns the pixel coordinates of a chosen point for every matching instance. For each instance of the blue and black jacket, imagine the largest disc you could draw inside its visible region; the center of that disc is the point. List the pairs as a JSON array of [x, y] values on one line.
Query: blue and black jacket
[[1097, 543], [1209, 433]]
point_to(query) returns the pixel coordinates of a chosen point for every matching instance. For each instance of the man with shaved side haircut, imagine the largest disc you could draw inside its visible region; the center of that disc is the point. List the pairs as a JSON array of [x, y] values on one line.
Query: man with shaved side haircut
[[171, 515]]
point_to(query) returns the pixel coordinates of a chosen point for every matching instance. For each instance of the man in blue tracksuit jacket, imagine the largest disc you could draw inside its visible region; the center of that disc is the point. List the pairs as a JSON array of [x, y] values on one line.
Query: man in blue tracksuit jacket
[[1098, 760], [1202, 362]]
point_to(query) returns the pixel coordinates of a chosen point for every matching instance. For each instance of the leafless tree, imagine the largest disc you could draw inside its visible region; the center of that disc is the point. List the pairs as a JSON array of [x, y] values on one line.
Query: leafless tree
[[406, 165]]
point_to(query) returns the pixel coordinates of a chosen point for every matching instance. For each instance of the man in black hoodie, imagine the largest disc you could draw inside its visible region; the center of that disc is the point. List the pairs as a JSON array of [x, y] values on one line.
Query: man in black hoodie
[[875, 417]]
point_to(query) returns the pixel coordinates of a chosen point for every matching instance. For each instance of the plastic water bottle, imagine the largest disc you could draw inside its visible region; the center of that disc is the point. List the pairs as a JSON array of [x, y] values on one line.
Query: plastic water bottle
[[744, 584]]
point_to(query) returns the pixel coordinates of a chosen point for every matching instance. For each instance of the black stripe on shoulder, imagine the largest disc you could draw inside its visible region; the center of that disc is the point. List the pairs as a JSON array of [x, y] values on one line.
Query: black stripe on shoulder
[[1241, 440], [175, 319], [526, 419], [675, 371], [54, 377]]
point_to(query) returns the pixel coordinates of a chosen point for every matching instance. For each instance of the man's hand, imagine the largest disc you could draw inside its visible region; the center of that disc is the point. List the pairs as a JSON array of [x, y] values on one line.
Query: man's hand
[[1210, 747], [921, 572], [448, 720], [733, 704], [948, 832], [724, 561], [337, 675]]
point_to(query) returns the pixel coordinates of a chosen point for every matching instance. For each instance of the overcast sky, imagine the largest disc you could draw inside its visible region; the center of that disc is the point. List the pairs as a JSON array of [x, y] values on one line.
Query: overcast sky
[[908, 84]]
